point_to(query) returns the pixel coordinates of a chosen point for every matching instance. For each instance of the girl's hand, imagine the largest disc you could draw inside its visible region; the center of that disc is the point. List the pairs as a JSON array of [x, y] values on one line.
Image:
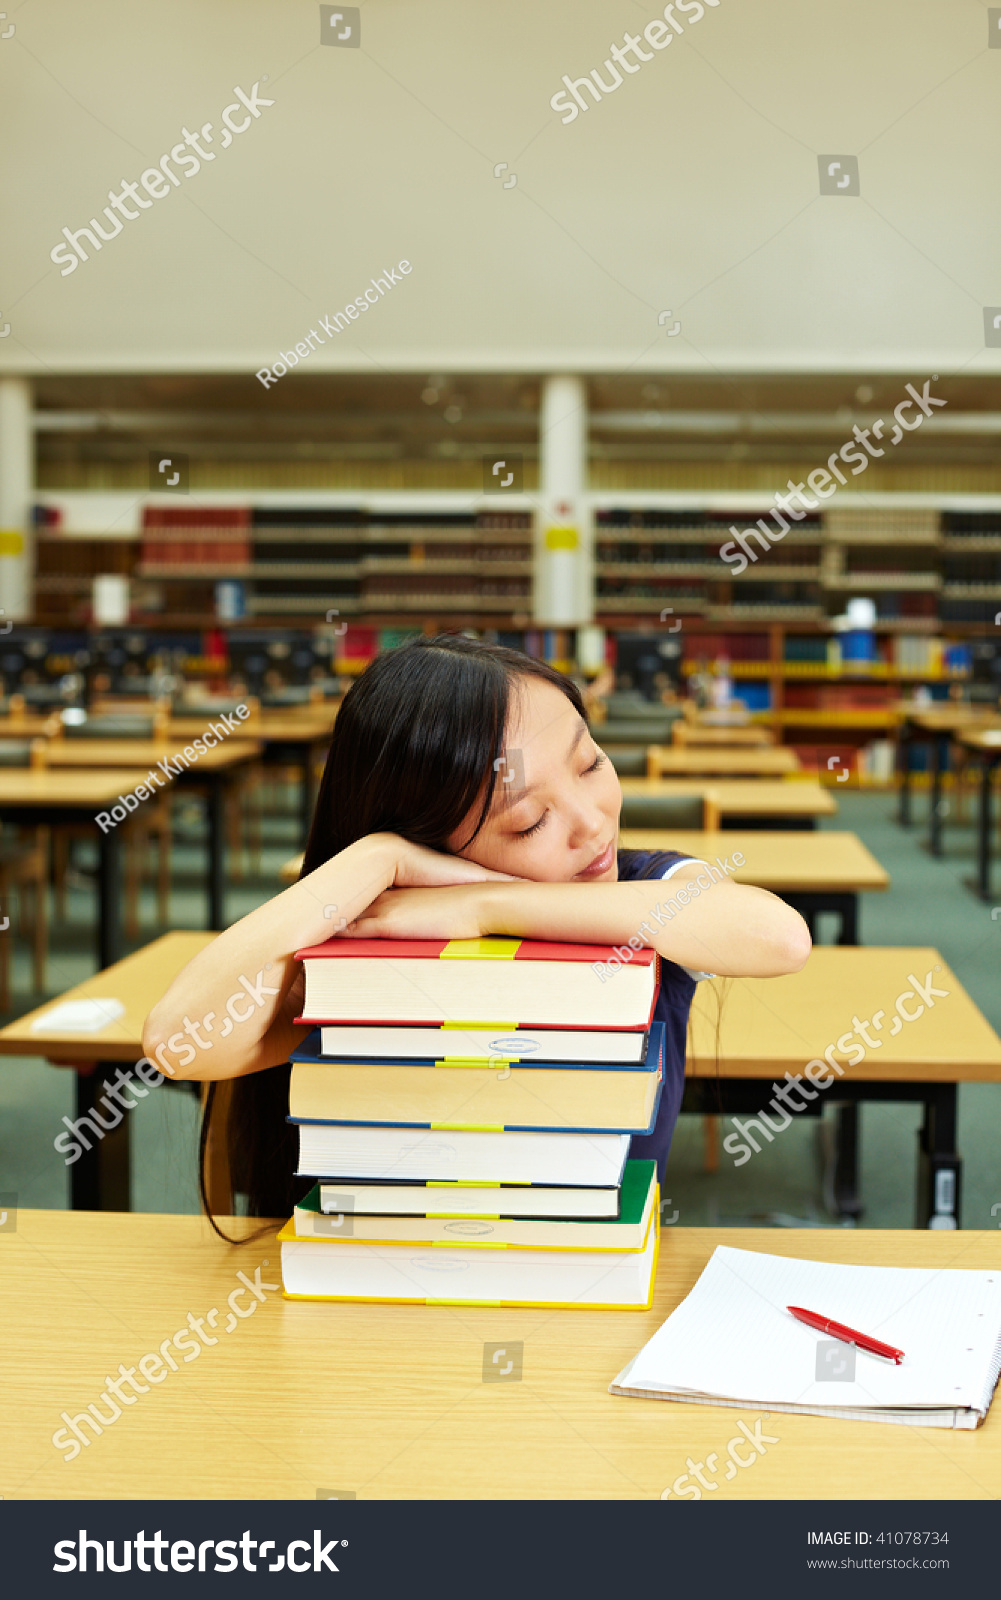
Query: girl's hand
[[452, 912], [415, 867]]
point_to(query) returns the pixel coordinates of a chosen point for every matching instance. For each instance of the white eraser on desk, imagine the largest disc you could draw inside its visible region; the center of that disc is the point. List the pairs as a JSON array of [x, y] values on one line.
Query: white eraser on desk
[[79, 1016]]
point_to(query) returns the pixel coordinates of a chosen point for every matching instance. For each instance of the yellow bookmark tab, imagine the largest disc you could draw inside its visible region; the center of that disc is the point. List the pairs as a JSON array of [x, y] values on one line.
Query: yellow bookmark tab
[[480, 1027], [489, 949], [467, 1127], [484, 1027], [472, 1061], [477, 1183]]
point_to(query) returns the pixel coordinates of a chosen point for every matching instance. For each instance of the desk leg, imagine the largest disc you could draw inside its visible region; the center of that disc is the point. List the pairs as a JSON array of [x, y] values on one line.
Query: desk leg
[[306, 795], [846, 1136], [847, 906], [940, 1169], [939, 749], [984, 834], [99, 1178], [109, 899], [904, 770], [216, 806]]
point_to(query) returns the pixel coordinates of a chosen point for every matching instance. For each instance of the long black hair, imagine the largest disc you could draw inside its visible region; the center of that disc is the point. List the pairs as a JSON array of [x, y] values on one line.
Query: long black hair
[[417, 740]]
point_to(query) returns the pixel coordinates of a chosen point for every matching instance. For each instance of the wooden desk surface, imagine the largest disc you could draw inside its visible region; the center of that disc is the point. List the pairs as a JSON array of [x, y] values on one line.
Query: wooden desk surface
[[138, 981], [84, 753], [387, 1401], [753, 798], [945, 719], [771, 761], [283, 722], [29, 726], [833, 862], [24, 786], [691, 735], [987, 739], [771, 1024]]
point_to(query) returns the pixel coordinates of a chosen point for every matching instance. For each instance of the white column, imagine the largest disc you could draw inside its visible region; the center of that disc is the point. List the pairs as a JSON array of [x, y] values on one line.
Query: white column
[[17, 551], [564, 562]]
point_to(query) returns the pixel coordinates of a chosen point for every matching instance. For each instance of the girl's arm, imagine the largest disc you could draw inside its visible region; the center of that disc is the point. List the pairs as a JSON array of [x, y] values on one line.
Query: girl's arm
[[232, 1009], [700, 921]]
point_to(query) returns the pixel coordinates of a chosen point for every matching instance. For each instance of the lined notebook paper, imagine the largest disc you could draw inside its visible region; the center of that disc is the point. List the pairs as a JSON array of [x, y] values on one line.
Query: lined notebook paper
[[732, 1342]]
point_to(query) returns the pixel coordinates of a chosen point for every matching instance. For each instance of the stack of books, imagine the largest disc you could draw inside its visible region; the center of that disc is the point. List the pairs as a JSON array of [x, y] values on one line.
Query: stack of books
[[466, 1108]]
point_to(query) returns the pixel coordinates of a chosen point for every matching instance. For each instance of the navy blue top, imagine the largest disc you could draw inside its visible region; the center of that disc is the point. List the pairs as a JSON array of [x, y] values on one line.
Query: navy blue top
[[674, 999]]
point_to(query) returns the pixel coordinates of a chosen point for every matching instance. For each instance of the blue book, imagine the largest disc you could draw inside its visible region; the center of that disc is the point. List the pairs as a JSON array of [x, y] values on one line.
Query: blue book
[[462, 1095]]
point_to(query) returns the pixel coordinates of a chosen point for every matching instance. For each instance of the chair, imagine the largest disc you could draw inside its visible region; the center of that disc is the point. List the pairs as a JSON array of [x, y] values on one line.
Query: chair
[[699, 811], [625, 741], [24, 864]]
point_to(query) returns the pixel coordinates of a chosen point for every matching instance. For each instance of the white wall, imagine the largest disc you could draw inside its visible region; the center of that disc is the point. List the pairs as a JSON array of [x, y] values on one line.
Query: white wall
[[694, 187]]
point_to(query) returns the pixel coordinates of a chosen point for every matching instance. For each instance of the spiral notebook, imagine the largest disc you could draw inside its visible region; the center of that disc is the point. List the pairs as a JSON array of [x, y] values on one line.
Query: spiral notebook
[[731, 1342]]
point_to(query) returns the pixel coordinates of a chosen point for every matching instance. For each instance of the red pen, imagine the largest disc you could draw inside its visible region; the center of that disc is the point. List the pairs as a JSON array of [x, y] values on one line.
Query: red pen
[[837, 1330]]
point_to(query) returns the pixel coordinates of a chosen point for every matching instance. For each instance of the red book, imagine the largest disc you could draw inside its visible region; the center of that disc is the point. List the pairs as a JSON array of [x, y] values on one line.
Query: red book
[[479, 982]]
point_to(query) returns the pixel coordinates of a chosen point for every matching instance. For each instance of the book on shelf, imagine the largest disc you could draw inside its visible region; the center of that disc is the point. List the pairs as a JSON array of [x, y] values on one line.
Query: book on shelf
[[529, 1096], [353, 1269], [494, 981], [329, 1213], [184, 538]]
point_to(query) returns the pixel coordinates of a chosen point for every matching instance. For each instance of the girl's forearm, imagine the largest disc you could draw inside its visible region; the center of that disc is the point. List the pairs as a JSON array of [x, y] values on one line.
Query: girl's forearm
[[212, 1019], [722, 927]]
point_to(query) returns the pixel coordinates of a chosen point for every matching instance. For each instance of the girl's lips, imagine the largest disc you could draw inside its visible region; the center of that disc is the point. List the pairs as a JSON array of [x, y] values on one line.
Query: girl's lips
[[600, 863]]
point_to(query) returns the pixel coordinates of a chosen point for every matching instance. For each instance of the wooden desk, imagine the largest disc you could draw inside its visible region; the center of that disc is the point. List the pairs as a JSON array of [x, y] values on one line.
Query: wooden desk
[[933, 726], [290, 736], [31, 797], [211, 772], [754, 802], [812, 871], [686, 762], [29, 725], [771, 1025], [387, 1402], [99, 1178], [984, 745], [686, 734]]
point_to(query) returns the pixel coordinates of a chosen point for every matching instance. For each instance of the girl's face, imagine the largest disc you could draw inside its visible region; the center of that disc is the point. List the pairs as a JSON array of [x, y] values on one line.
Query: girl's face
[[555, 811]]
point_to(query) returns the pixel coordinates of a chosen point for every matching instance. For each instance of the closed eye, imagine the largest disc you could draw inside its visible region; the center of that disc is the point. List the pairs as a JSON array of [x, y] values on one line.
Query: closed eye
[[596, 764]]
